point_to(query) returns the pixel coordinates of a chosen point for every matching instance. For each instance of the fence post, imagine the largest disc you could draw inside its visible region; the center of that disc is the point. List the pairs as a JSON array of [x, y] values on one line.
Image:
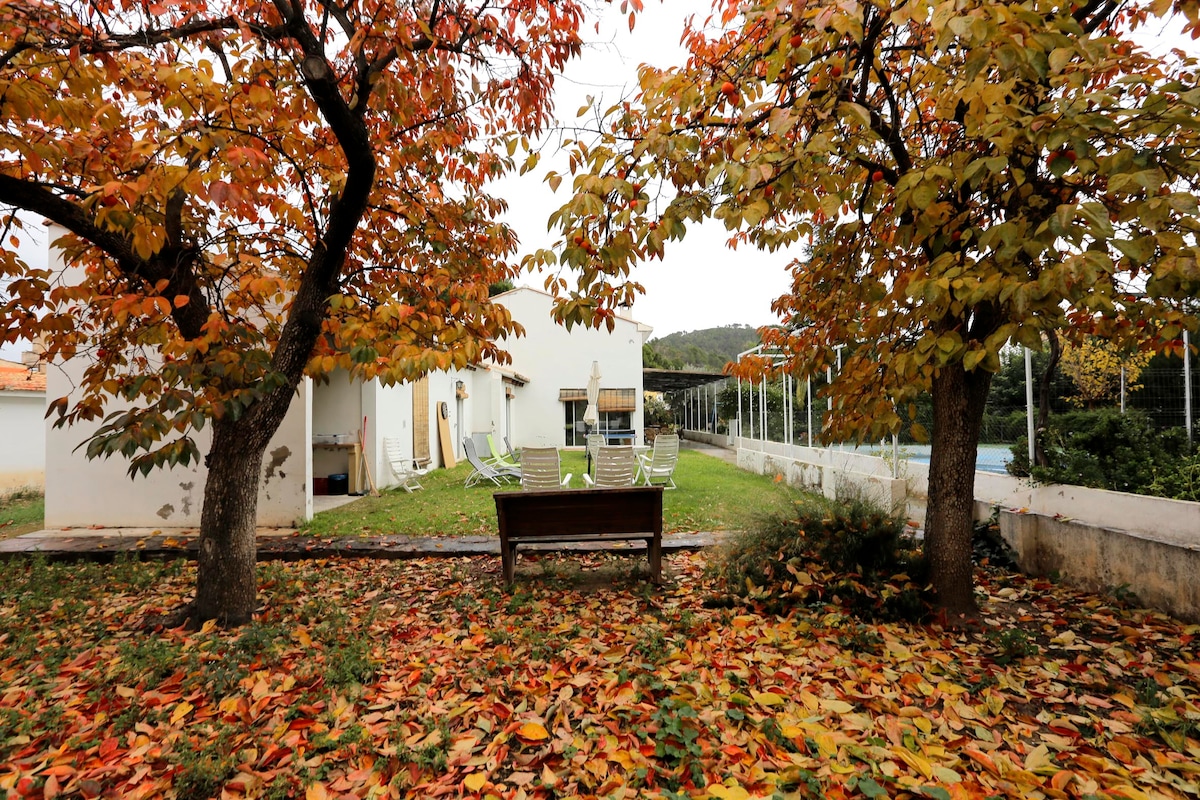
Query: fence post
[[1187, 385], [895, 456], [1029, 402], [787, 409], [750, 410], [808, 398]]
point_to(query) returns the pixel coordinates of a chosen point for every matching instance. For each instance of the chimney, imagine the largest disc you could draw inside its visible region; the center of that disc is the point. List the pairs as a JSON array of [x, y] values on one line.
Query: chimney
[[32, 358]]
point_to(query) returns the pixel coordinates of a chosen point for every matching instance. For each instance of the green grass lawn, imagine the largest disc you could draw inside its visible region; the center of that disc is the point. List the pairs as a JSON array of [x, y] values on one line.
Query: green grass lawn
[[712, 495], [22, 511]]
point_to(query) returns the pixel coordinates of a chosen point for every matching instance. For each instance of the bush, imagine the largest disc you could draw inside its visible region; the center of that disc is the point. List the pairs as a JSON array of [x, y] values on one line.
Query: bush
[[1104, 450], [848, 553], [1180, 483]]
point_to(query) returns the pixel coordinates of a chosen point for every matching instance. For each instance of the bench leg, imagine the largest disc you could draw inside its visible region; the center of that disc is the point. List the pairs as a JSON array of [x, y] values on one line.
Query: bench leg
[[508, 558], [654, 555]]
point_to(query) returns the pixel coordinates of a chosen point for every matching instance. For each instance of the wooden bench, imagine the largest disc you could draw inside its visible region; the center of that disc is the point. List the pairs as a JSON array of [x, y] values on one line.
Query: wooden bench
[[567, 516]]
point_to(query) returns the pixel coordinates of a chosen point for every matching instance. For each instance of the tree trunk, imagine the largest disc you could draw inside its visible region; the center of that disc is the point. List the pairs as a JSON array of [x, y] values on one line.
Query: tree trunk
[[226, 585], [958, 402]]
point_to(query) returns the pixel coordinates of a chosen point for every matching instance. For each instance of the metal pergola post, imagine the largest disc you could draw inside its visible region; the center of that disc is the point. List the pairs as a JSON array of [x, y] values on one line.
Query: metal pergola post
[[762, 408], [750, 408], [739, 394]]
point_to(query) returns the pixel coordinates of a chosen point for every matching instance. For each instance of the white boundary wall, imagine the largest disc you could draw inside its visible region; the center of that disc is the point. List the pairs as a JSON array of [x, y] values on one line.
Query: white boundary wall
[[22, 446], [1091, 538], [1172, 521]]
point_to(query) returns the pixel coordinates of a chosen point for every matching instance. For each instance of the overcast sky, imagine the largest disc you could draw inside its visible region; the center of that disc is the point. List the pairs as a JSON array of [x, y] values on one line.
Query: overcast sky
[[700, 283]]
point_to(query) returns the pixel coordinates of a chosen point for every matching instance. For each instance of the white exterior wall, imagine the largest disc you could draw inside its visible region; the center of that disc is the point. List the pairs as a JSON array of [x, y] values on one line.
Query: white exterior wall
[[553, 358], [443, 389], [100, 492], [80, 493], [23, 454]]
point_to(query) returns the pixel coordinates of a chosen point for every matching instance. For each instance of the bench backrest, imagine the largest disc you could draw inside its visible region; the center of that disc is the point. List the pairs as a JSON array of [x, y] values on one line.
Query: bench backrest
[[574, 512]]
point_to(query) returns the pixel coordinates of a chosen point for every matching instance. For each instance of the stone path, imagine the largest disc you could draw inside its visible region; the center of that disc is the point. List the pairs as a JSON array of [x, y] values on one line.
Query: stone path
[[287, 544], [276, 544]]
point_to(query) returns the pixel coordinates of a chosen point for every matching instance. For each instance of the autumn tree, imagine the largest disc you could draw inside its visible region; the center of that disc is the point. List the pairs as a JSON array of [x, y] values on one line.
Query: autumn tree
[[258, 191], [970, 174], [1098, 370]]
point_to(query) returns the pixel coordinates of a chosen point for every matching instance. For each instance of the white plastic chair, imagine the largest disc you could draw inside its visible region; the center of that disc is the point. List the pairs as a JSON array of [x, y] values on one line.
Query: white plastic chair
[[403, 466], [615, 468], [658, 468], [594, 442], [540, 469]]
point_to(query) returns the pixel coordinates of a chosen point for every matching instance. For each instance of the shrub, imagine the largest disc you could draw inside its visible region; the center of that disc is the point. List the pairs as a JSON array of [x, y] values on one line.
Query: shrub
[[1104, 450], [1180, 482], [846, 552]]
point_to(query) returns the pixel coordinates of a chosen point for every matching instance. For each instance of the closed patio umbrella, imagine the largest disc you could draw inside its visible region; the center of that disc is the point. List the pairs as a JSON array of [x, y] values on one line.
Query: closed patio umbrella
[[591, 414]]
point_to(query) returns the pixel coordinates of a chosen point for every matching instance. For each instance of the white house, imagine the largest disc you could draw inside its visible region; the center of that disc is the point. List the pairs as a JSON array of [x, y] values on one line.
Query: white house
[[337, 427], [22, 407], [556, 364]]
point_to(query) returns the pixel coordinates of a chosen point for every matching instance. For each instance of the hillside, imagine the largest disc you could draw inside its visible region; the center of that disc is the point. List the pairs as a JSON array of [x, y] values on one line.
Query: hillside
[[708, 349]]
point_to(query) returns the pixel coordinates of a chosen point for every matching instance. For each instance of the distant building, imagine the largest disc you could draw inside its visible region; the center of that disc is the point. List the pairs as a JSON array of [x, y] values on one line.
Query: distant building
[[22, 438]]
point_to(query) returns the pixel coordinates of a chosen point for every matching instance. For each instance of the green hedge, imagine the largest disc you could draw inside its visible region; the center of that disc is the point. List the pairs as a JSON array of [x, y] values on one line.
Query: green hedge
[[1106, 449]]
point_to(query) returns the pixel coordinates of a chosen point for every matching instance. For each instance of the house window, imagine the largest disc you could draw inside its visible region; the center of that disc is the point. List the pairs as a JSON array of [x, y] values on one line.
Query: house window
[[576, 431], [615, 417]]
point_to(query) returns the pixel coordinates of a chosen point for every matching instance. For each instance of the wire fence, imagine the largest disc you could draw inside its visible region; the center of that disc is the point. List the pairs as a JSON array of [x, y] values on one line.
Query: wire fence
[[792, 411]]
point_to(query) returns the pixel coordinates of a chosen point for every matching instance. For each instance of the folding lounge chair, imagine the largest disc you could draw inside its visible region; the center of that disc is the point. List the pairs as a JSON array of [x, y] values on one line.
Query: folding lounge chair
[[497, 458], [481, 471]]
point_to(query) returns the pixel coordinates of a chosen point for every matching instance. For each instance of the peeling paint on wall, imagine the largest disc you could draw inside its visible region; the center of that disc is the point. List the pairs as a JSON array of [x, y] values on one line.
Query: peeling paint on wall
[[166, 511], [278, 457], [187, 497]]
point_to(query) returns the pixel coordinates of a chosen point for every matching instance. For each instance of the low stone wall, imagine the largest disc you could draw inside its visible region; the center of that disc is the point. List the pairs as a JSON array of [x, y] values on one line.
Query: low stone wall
[[715, 439], [1095, 539], [1160, 571], [833, 473]]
